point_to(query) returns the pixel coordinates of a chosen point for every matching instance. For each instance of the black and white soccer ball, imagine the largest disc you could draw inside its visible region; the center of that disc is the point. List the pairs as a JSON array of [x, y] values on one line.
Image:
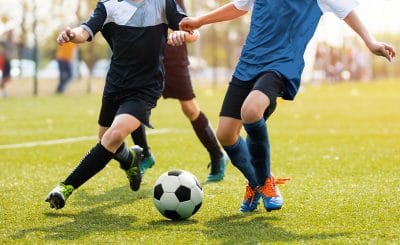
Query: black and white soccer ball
[[177, 194]]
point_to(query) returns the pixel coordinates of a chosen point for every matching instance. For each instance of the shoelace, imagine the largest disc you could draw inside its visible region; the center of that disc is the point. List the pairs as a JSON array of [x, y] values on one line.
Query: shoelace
[[249, 194], [269, 188]]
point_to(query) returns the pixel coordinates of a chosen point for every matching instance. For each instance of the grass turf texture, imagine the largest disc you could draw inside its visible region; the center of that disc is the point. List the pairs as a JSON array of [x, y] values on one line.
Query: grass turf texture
[[339, 144]]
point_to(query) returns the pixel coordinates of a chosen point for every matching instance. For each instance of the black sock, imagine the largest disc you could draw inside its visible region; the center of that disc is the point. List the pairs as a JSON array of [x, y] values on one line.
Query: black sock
[[139, 138], [207, 137], [94, 161]]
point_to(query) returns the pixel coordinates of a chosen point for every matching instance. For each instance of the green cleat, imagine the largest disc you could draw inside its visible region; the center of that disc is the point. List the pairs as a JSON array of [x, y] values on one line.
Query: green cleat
[[133, 173], [146, 163], [59, 195], [218, 170]]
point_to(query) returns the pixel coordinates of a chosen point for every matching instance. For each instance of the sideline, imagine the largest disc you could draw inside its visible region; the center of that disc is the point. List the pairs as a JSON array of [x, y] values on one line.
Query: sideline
[[76, 139]]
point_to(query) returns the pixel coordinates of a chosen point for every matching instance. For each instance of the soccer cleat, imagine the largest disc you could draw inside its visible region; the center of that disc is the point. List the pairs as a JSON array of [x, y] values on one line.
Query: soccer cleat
[[146, 163], [250, 200], [272, 198], [217, 172], [133, 172], [59, 195]]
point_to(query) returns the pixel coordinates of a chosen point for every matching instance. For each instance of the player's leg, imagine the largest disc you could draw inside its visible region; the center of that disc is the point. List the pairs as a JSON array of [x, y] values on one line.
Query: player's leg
[[138, 105], [5, 77], [205, 134], [139, 138], [65, 75], [178, 85], [260, 103], [129, 161], [228, 134], [69, 71], [59, 195], [62, 76], [97, 158]]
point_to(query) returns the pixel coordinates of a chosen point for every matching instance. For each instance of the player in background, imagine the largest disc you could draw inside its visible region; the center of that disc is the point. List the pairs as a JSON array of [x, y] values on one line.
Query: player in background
[[65, 58], [137, 33], [178, 86], [270, 66], [7, 51]]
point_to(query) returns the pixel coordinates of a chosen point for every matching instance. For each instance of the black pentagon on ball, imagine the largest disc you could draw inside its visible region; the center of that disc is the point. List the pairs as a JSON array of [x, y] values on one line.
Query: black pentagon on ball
[[158, 191], [175, 172], [196, 208], [182, 193], [171, 214]]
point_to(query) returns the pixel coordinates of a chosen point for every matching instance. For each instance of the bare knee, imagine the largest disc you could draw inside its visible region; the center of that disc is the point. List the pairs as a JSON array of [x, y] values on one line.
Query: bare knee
[[254, 106], [113, 138], [228, 130], [250, 113]]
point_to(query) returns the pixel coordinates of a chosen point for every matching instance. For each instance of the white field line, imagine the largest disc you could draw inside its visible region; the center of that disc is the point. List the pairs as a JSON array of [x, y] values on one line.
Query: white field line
[[76, 139]]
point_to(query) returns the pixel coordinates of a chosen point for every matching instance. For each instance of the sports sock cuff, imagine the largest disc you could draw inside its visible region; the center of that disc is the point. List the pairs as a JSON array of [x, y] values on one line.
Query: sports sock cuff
[[201, 121], [120, 148], [258, 123], [102, 150], [122, 153], [256, 131], [234, 146]]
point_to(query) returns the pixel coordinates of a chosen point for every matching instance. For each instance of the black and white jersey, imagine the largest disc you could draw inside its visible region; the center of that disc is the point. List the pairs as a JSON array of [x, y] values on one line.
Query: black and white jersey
[[137, 34]]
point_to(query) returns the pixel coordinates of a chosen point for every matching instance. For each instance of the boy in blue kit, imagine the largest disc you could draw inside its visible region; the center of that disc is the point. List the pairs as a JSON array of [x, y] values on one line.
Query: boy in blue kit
[[136, 31], [270, 66]]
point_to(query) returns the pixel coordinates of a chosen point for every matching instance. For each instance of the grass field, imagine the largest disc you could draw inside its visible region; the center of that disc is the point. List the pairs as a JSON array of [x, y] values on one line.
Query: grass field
[[340, 144]]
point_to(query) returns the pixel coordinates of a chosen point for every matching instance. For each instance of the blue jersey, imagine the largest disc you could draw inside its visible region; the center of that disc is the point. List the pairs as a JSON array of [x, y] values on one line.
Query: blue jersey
[[279, 33]]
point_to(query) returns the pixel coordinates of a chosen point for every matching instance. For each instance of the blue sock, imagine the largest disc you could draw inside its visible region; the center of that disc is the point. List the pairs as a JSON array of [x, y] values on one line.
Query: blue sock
[[240, 158], [258, 144]]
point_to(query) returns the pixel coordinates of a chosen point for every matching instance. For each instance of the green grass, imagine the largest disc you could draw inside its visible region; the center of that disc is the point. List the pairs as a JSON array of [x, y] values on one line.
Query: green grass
[[340, 144]]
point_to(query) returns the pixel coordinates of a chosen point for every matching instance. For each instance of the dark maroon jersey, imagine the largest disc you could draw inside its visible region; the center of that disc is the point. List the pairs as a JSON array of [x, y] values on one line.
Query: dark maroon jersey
[[176, 56]]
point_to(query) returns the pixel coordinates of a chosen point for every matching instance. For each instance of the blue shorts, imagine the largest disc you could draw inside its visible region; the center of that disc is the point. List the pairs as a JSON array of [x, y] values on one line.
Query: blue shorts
[[268, 83]]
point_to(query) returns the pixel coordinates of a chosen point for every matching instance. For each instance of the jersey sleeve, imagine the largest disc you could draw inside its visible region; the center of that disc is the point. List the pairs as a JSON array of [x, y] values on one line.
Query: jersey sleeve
[[244, 5], [96, 21], [174, 14], [341, 8]]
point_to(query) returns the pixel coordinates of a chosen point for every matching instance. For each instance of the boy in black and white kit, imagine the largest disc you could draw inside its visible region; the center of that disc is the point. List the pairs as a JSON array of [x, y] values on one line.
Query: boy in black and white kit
[[136, 31]]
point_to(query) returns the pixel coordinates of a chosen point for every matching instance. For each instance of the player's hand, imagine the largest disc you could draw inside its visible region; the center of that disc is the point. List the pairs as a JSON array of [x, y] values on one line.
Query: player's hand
[[177, 38], [65, 36], [189, 24], [382, 49]]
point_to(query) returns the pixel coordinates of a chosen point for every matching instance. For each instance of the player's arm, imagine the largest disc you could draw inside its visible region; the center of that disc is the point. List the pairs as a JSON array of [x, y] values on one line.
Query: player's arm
[[177, 38], [227, 12], [75, 35], [376, 47], [88, 29]]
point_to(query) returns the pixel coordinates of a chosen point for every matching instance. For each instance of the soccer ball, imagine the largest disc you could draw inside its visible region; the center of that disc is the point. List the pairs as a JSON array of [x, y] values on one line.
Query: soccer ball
[[177, 194]]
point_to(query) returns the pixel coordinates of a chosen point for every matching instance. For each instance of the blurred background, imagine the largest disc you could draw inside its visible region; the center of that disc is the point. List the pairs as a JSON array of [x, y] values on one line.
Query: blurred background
[[28, 30]]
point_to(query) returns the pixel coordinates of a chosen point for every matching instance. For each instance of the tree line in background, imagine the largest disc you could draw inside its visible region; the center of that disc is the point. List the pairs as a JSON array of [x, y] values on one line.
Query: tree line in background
[[37, 23]]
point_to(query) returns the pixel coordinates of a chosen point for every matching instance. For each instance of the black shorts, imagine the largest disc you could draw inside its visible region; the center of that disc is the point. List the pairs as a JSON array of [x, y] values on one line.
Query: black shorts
[[135, 103], [178, 84], [268, 83]]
